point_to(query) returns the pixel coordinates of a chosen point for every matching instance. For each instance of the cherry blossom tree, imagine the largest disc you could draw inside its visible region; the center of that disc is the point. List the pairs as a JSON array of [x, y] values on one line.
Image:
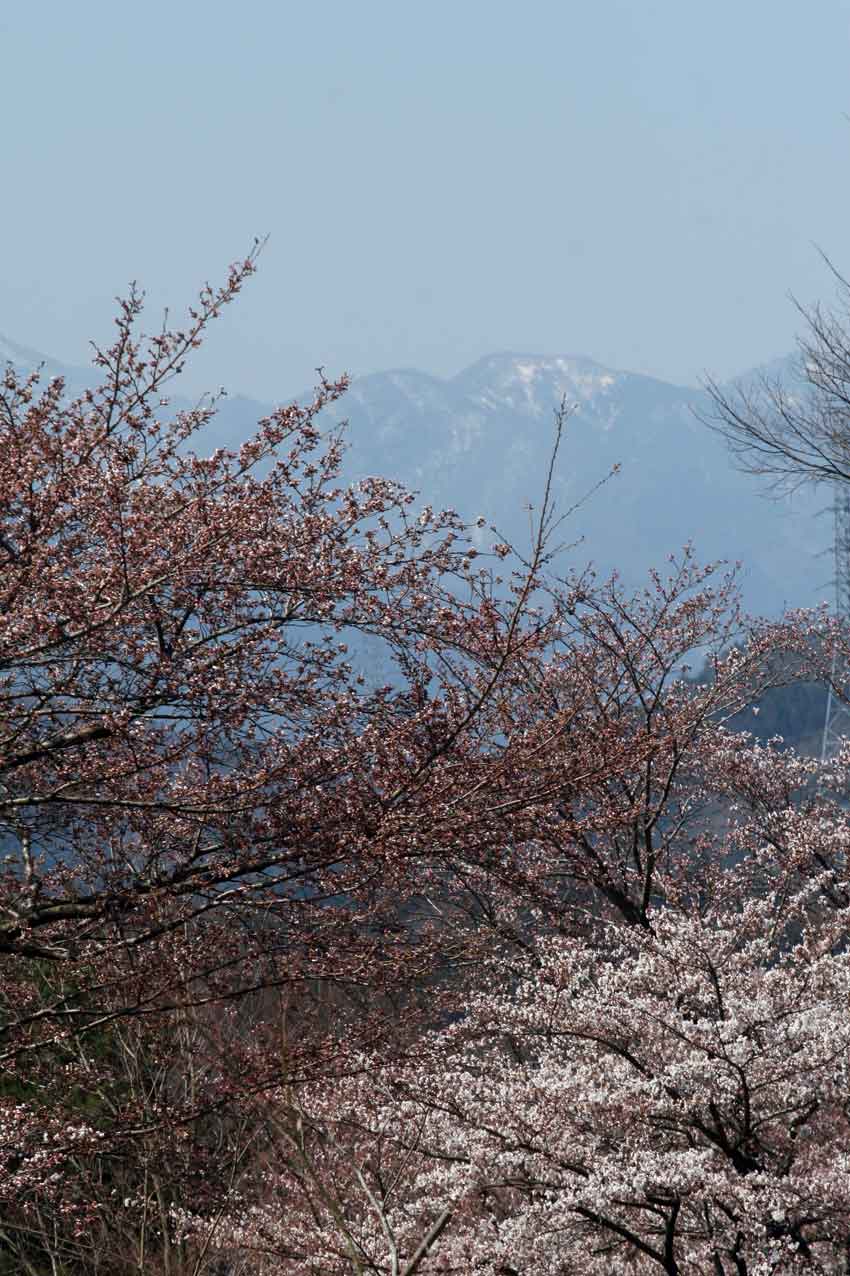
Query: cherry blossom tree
[[666, 1093], [239, 873], [190, 768], [670, 1097]]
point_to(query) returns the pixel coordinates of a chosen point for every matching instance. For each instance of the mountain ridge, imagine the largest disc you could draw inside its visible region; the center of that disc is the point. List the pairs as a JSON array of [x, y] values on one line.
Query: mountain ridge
[[479, 442]]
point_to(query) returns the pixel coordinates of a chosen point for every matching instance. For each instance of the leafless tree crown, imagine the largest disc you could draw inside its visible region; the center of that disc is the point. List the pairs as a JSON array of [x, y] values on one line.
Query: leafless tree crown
[[798, 433]]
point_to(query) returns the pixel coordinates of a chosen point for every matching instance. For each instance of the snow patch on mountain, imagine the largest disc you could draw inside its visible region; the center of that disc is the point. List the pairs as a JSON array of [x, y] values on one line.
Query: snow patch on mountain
[[480, 442]]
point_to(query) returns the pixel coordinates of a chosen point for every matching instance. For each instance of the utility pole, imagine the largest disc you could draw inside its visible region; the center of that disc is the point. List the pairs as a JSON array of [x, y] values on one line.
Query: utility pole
[[837, 721]]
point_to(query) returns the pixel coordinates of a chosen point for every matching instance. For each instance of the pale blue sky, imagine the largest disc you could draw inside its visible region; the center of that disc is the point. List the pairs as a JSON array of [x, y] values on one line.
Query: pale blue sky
[[641, 181]]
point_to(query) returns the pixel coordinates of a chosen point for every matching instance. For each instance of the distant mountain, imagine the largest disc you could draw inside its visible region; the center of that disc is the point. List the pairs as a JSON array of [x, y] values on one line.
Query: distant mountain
[[24, 358], [479, 442]]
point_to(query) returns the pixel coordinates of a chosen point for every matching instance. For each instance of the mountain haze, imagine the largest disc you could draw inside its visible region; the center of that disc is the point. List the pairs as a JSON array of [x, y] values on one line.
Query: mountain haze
[[480, 442]]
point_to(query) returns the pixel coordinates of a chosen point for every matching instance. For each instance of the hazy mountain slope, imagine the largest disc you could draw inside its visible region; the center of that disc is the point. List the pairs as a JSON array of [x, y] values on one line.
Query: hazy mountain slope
[[480, 442]]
